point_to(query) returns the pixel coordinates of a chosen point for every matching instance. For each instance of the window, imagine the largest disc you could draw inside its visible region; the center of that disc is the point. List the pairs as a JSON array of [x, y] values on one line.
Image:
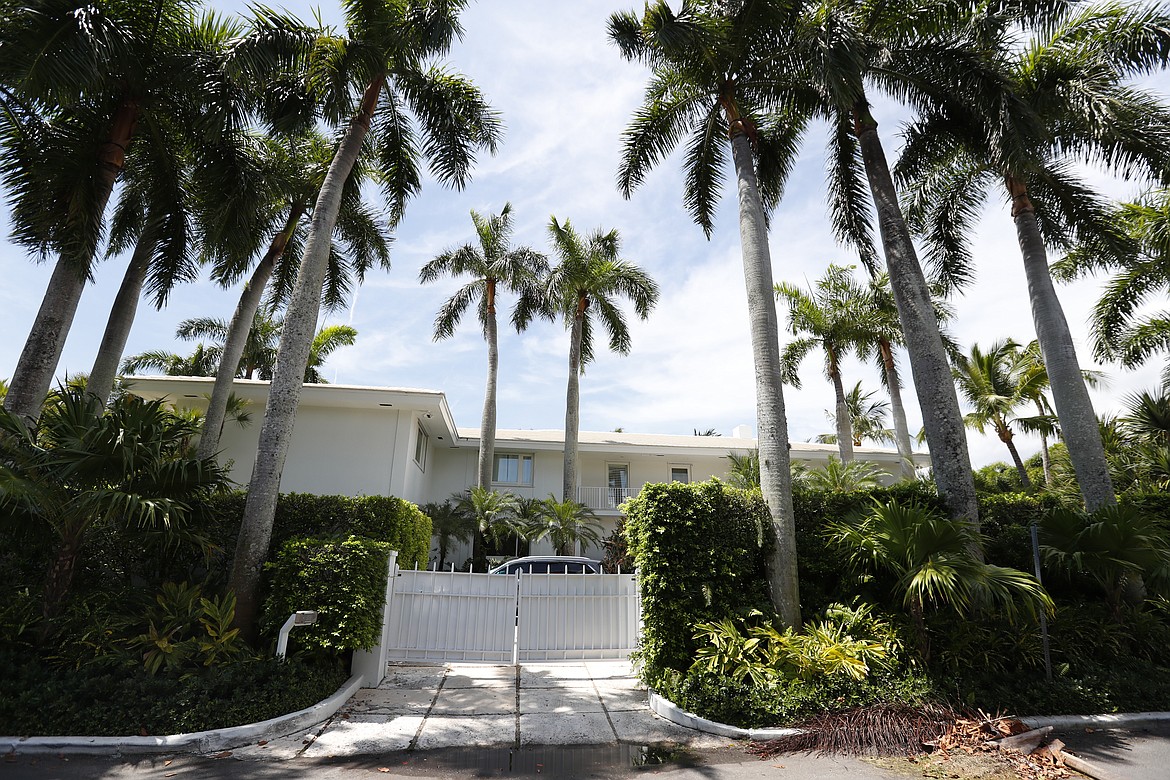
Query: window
[[680, 473], [420, 448], [512, 469], [618, 483]]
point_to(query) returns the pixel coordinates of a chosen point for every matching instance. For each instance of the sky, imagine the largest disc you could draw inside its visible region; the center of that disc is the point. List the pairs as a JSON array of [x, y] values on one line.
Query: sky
[[565, 95]]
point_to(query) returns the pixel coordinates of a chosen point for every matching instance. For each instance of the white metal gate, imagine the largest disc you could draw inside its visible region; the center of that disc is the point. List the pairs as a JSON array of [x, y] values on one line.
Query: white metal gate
[[458, 616]]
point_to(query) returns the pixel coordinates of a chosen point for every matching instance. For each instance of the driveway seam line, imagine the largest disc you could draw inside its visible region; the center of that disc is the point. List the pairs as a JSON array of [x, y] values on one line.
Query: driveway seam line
[[517, 667], [605, 709], [434, 699]]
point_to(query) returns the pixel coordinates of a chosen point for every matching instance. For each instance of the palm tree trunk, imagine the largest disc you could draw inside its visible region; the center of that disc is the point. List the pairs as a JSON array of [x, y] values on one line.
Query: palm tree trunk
[[1045, 457], [46, 340], [1078, 422], [771, 418], [933, 382], [897, 411], [57, 583], [1005, 435], [125, 308], [573, 404], [844, 423], [237, 336], [487, 426], [284, 394]]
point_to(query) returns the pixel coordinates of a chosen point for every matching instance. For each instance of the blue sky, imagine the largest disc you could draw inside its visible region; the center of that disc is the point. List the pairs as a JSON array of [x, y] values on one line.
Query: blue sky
[[565, 95]]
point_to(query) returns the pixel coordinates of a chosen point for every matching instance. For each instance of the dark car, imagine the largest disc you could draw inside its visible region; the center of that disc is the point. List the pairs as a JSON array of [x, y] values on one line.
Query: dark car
[[549, 564]]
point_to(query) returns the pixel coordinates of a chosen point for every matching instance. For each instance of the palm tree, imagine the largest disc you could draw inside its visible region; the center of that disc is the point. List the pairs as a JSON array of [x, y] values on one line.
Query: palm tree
[[1120, 332], [713, 70], [994, 384], [569, 525], [837, 476], [493, 267], [91, 80], [385, 55], [260, 352], [831, 317], [493, 513], [743, 471], [448, 524], [272, 234], [1063, 96], [589, 278], [80, 467], [867, 419]]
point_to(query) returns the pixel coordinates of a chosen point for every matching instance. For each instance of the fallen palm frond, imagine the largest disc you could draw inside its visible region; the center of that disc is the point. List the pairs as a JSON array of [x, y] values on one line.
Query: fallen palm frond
[[880, 730]]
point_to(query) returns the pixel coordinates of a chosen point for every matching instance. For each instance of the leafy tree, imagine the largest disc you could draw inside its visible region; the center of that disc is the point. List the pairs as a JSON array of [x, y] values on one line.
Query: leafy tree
[[386, 58], [831, 317], [493, 267], [583, 288], [714, 71], [1032, 110], [81, 466], [569, 525]]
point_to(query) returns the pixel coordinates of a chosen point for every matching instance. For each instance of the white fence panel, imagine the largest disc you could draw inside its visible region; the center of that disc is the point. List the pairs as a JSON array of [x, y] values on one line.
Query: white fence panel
[[571, 616], [453, 616]]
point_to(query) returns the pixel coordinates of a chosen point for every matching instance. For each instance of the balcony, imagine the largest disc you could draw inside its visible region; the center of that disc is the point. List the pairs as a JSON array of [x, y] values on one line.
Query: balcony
[[604, 499]]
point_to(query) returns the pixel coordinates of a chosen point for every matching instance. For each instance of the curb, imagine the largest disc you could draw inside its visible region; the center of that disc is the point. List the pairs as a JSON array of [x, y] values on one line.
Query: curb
[[1101, 721], [673, 713], [198, 742]]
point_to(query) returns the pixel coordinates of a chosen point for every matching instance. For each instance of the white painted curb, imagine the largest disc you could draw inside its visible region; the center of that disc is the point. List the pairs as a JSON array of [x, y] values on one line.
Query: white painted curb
[[673, 713], [199, 742]]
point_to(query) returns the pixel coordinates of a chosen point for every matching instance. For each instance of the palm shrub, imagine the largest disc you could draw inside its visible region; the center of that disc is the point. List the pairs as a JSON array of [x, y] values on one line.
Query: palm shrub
[[840, 477], [1119, 548], [78, 470], [933, 560], [566, 524], [449, 525], [492, 512]]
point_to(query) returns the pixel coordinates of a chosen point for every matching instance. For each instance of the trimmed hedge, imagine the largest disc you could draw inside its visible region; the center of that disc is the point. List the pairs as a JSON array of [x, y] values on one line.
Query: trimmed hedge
[[344, 580], [700, 551]]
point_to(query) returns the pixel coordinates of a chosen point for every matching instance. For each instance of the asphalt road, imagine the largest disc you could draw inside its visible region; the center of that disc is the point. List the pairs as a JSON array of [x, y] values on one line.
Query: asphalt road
[[1138, 752]]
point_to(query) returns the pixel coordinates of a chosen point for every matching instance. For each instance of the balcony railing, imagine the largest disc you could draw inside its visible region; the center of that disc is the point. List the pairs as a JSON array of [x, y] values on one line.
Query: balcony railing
[[604, 497]]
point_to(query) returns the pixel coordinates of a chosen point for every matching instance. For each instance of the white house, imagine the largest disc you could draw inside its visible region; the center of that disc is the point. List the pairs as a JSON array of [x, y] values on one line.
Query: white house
[[403, 442]]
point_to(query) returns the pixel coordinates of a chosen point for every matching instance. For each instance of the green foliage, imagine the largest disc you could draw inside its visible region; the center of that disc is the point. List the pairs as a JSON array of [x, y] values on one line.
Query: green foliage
[[838, 476], [617, 550], [699, 549], [564, 523], [344, 580], [185, 629], [36, 698], [845, 642]]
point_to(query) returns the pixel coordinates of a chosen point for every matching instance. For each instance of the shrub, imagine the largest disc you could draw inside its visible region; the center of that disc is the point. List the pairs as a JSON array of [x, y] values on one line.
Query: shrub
[[699, 549], [344, 580]]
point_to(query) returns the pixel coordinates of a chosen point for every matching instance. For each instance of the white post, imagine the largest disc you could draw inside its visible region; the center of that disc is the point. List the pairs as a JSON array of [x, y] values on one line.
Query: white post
[[371, 664]]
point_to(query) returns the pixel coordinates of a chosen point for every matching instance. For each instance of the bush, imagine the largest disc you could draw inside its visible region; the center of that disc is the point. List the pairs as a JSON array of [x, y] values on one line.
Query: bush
[[700, 550], [344, 580], [36, 699]]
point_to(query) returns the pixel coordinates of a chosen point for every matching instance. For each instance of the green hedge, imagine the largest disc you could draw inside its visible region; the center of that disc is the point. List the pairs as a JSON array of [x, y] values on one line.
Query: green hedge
[[700, 552], [344, 580]]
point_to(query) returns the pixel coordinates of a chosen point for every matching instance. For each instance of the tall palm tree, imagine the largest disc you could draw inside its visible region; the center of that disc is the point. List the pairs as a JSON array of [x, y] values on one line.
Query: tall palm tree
[[583, 289], [1062, 97], [386, 55], [993, 383], [290, 172], [830, 317], [95, 77], [493, 267], [713, 76]]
